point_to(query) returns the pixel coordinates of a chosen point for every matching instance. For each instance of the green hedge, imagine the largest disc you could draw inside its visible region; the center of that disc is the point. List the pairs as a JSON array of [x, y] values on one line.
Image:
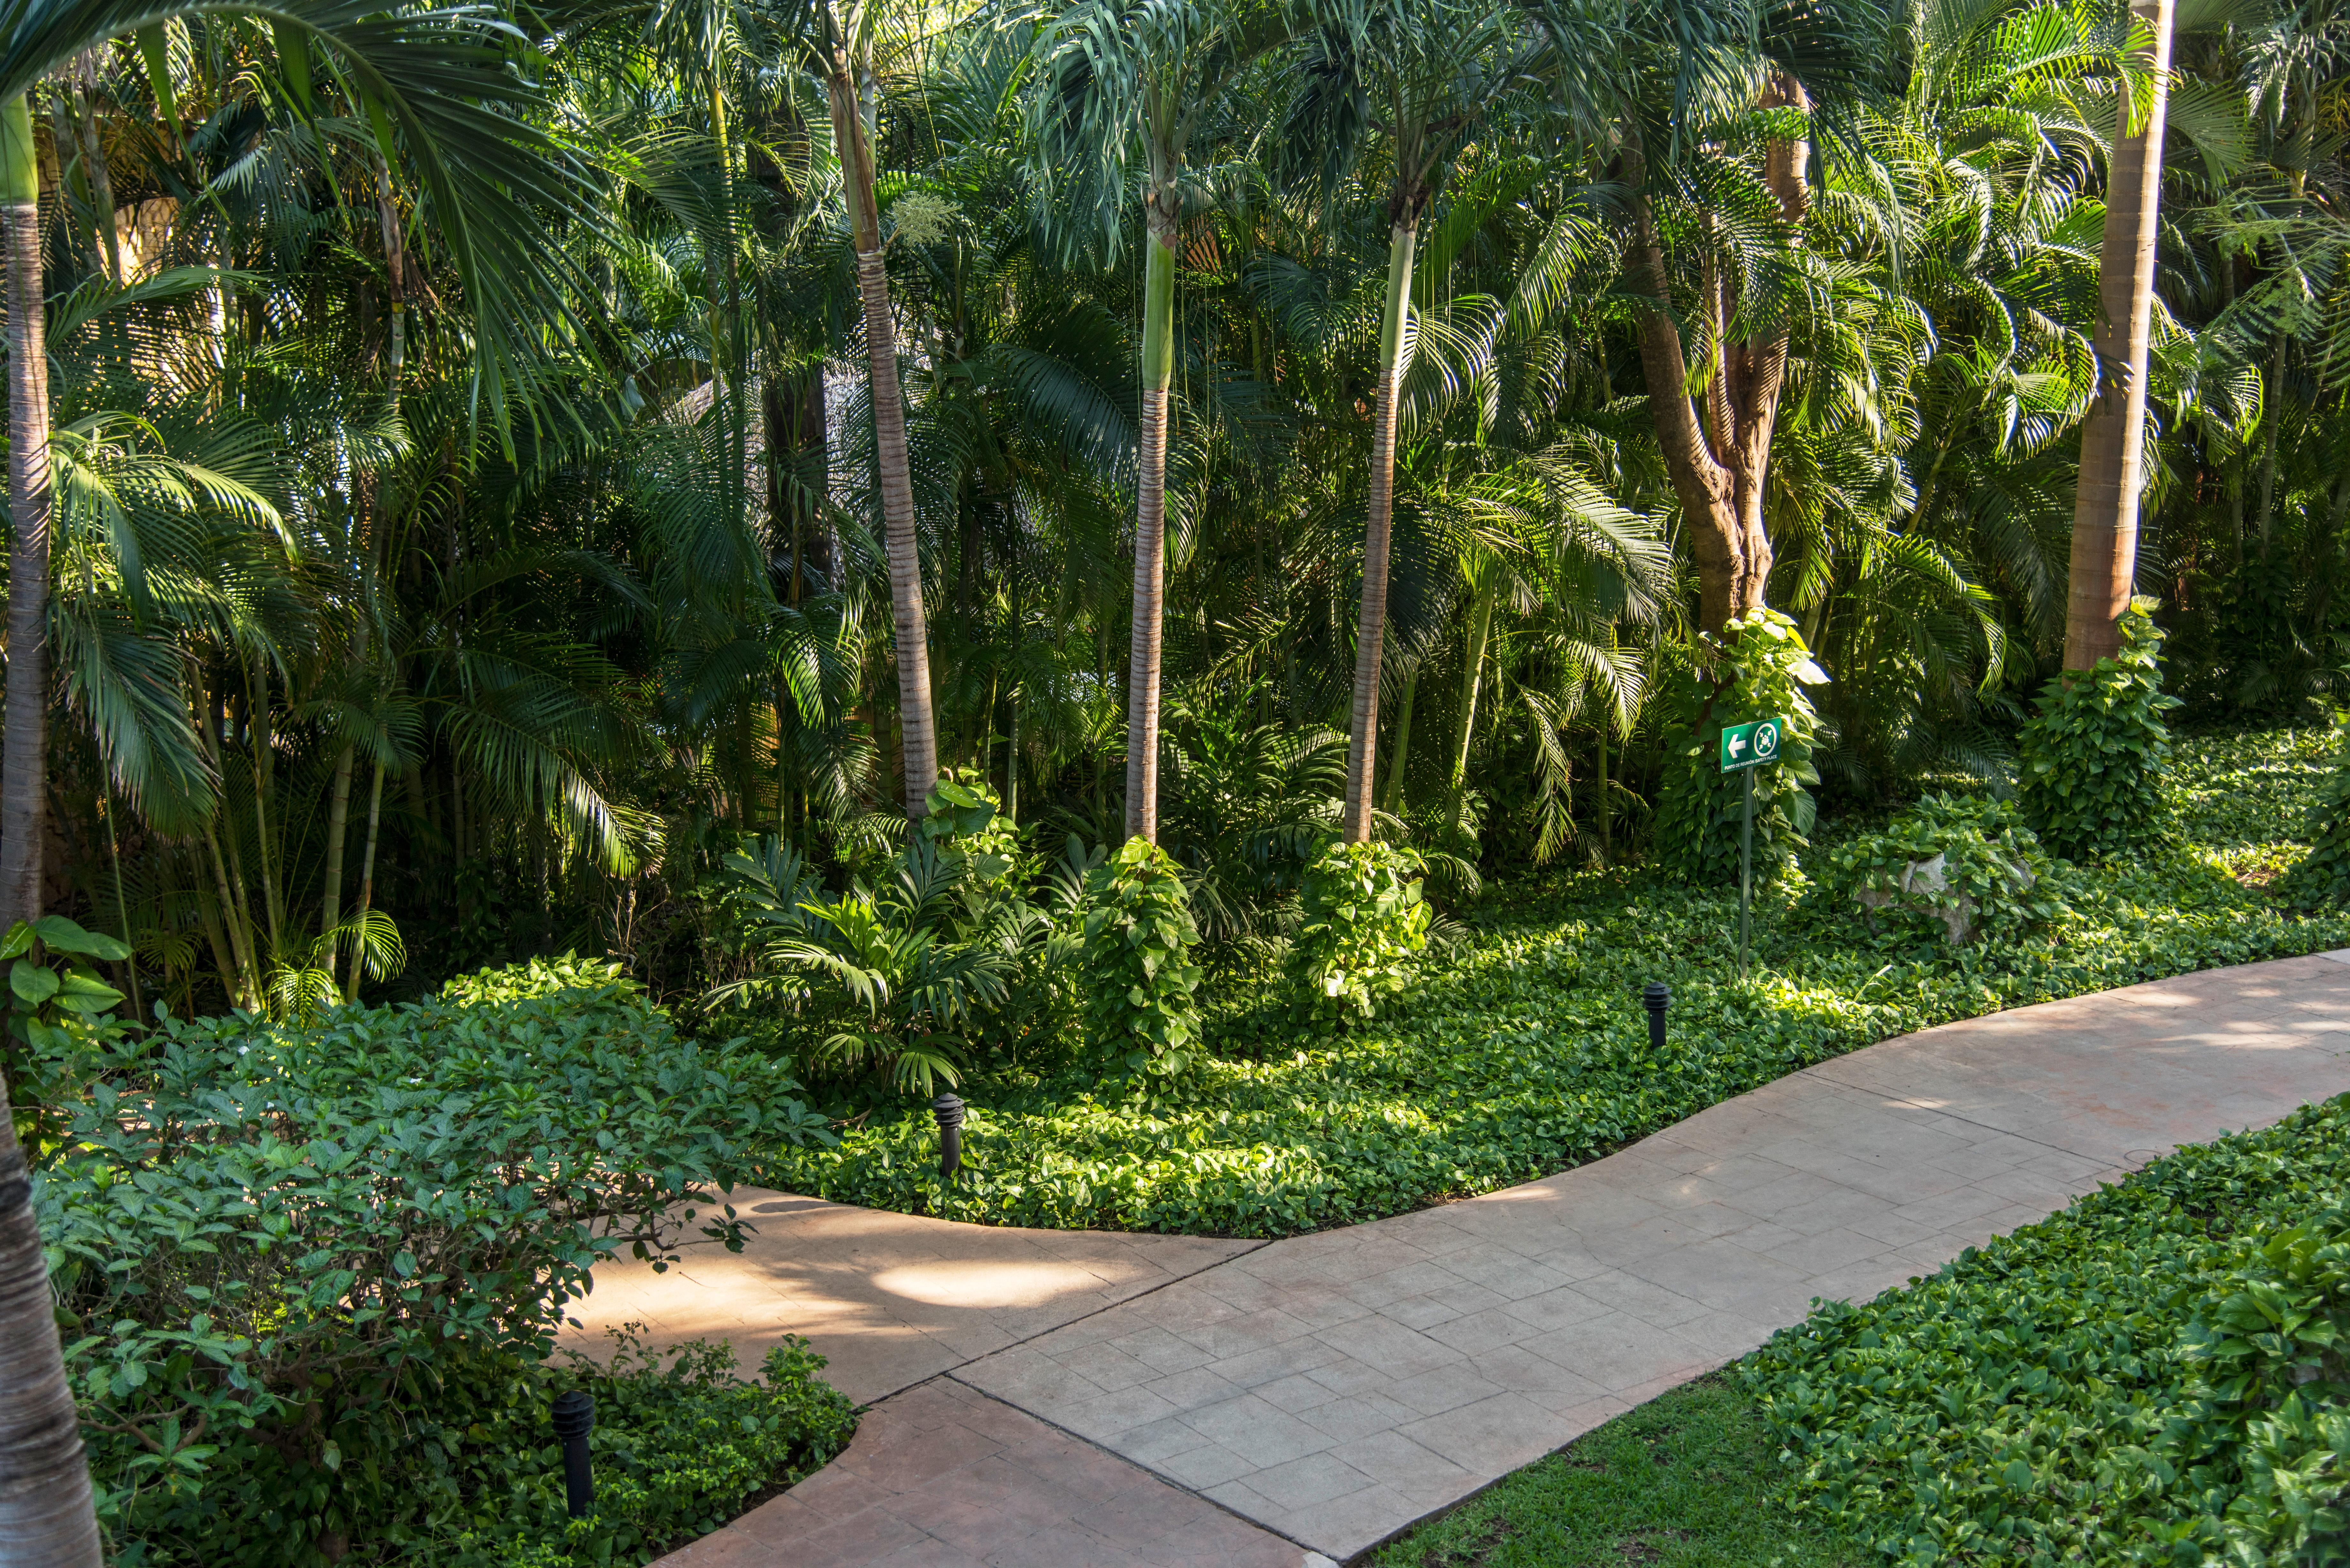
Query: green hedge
[[2153, 1376], [1527, 1051]]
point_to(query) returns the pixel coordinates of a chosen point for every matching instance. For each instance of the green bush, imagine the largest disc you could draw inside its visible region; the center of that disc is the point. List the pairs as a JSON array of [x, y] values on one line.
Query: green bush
[[60, 1023], [1362, 921], [1142, 1005], [272, 1246], [2090, 762], [476, 1480], [2320, 878], [906, 978], [2153, 1376], [1991, 875], [1758, 669]]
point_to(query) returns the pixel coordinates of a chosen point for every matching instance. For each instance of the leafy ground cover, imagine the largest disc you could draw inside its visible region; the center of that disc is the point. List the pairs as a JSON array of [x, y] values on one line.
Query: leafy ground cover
[[1523, 1049], [2155, 1375], [1691, 1480]]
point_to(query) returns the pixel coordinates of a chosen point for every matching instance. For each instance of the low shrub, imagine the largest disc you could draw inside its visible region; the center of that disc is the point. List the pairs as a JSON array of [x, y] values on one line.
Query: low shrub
[[1757, 670], [1362, 920], [272, 1247], [2153, 1376], [1954, 866], [1142, 1007], [2090, 762], [477, 1481]]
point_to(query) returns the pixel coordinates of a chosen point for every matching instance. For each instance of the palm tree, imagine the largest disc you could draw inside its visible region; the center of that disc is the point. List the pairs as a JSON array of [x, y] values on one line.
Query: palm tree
[[847, 58], [440, 83], [1431, 73], [2112, 438], [1115, 72]]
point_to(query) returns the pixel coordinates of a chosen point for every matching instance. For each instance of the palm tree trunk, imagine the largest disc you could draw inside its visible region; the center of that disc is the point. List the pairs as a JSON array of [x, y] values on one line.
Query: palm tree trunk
[[1371, 624], [916, 723], [1150, 534], [1012, 765], [45, 1514], [24, 752], [367, 879], [2273, 401], [1481, 623], [2104, 508], [93, 163]]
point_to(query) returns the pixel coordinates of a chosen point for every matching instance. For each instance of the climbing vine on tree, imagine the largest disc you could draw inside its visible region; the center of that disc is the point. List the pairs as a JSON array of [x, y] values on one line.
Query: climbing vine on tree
[[1757, 669]]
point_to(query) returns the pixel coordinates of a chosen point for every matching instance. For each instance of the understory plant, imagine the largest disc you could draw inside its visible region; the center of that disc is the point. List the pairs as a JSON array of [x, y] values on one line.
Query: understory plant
[[1142, 1005], [1758, 668], [272, 1245], [60, 1022], [2153, 1376], [2322, 876], [1963, 866], [1361, 923], [2089, 764], [901, 977]]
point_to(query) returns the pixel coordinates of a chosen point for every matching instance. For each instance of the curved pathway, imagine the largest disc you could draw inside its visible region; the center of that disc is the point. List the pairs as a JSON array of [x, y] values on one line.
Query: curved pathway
[[1084, 1399]]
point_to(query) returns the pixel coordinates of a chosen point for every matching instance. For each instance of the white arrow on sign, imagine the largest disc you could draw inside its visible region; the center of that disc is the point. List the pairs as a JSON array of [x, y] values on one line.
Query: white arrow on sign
[[1737, 745]]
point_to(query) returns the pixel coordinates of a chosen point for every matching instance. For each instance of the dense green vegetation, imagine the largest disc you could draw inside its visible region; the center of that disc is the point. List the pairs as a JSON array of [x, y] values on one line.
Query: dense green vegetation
[[309, 1277], [1522, 1048], [2153, 1376]]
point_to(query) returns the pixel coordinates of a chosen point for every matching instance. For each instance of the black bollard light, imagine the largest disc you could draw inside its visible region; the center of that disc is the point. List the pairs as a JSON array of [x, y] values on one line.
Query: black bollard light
[[574, 1418], [1656, 996], [949, 1110]]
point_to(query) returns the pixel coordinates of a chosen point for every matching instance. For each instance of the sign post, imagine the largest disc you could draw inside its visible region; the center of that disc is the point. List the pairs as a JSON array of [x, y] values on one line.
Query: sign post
[[1745, 748]]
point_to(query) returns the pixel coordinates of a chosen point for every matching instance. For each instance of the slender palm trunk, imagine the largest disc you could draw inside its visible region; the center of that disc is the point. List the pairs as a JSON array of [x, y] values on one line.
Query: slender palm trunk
[[24, 752], [1011, 766], [1150, 535], [2105, 509], [367, 879], [1480, 626], [1371, 624], [93, 163], [917, 725]]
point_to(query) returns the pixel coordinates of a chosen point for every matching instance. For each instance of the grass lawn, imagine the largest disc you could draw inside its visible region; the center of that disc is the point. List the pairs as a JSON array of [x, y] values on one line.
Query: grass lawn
[[1522, 1051], [1689, 1480]]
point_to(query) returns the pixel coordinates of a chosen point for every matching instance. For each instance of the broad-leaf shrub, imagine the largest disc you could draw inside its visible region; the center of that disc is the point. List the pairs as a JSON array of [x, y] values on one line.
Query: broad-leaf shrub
[[2321, 878], [1142, 1007], [60, 1022], [1361, 923], [901, 978], [476, 1480], [1756, 669], [270, 1243], [2153, 1376], [2089, 764], [1959, 867]]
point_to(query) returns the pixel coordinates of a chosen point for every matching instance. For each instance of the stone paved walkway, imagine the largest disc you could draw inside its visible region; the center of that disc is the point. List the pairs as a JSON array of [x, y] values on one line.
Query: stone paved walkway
[[1330, 1390]]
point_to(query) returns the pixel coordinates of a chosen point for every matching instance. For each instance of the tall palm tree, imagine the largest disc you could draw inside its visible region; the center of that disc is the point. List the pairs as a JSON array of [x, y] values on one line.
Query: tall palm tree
[[2112, 438], [1427, 76], [441, 85], [1117, 73], [850, 35]]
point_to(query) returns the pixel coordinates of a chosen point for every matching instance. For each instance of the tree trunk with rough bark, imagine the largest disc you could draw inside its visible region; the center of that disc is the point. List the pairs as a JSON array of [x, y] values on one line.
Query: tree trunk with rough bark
[[46, 1518], [1718, 462], [915, 719], [1145, 650], [24, 752], [1371, 622], [2112, 438]]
